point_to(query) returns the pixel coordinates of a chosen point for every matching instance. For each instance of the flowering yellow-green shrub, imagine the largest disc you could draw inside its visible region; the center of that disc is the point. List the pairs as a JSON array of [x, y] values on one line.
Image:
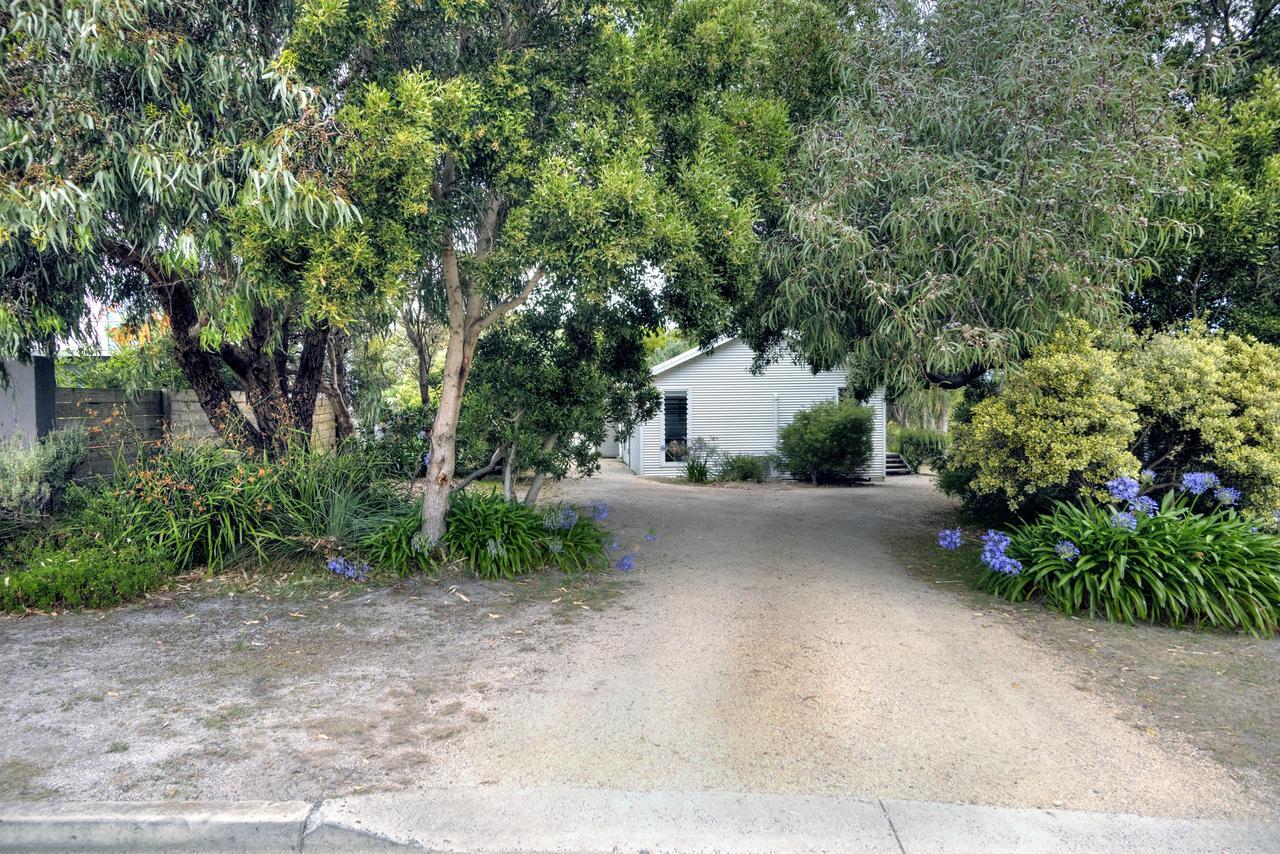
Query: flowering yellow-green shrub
[[1213, 402], [1076, 414], [1062, 424]]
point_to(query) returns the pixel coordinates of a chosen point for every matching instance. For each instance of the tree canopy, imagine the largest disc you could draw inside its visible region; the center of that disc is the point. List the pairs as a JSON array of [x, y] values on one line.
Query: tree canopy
[[155, 155], [989, 170], [1229, 274]]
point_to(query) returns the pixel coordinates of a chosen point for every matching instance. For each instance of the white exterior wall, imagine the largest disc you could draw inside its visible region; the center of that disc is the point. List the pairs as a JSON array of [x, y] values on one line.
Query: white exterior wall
[[741, 413]]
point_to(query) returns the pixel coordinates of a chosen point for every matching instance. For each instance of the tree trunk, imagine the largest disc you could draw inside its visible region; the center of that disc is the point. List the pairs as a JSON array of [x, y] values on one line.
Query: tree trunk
[[468, 318], [444, 434], [333, 384], [535, 487], [509, 464], [197, 364], [508, 474], [306, 382]]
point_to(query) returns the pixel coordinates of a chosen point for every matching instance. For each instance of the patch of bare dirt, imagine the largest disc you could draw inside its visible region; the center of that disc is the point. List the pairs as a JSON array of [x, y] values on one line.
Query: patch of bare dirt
[[271, 692]]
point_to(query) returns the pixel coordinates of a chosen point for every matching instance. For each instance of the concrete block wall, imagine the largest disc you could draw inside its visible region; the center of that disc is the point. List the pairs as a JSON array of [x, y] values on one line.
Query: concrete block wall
[[187, 419]]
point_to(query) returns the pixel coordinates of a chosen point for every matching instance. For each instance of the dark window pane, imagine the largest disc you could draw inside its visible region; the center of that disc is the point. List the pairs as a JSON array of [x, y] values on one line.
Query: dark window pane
[[675, 429]]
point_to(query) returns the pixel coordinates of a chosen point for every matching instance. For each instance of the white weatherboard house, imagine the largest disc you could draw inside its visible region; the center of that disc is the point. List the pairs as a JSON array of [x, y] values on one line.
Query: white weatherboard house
[[714, 396]]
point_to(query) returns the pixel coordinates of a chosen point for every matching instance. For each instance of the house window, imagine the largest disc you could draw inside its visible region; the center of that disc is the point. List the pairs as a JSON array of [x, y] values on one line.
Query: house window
[[675, 426]]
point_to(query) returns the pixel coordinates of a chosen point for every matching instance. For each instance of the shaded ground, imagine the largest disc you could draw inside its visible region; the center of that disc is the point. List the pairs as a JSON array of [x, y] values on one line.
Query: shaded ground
[[769, 639]]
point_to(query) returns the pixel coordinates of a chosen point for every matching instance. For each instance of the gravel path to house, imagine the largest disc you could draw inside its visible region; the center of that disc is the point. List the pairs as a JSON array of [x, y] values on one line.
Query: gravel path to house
[[775, 644], [769, 639]]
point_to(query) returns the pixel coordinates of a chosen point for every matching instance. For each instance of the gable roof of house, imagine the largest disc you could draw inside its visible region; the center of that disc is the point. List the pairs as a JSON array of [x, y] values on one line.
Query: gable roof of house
[[663, 367]]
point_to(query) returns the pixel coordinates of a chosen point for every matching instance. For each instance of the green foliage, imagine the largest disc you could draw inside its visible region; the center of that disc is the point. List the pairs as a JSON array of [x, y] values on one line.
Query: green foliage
[[829, 439], [1178, 567], [549, 381], [206, 506], [725, 84], [1078, 413], [32, 478], [160, 156], [505, 539], [665, 343], [142, 359], [950, 214], [919, 446], [1062, 425], [387, 540], [699, 460], [83, 576], [744, 467], [1229, 275], [399, 440]]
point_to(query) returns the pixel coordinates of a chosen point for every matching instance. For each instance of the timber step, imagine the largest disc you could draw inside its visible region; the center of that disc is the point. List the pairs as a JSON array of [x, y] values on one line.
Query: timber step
[[894, 464]]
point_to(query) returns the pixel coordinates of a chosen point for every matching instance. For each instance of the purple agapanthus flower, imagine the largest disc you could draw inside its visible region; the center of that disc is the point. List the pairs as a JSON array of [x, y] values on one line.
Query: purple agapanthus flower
[[626, 563], [613, 546], [1124, 519], [650, 537], [1227, 495], [1199, 482], [1067, 550], [599, 511], [1123, 488], [422, 434], [562, 518], [1144, 504], [1147, 475], [993, 545], [348, 569], [951, 538]]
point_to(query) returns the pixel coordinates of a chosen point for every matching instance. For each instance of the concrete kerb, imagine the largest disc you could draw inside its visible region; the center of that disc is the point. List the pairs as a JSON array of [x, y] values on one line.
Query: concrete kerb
[[251, 826], [506, 819]]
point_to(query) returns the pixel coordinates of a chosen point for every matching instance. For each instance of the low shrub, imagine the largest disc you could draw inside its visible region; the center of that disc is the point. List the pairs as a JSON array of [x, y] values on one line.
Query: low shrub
[[829, 439], [387, 541], [32, 478], [205, 505], [920, 446], [742, 467], [1174, 563], [80, 576], [698, 460], [504, 539]]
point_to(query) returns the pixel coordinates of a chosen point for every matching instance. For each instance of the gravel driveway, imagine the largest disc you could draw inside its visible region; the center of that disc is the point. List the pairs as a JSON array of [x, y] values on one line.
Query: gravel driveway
[[767, 640]]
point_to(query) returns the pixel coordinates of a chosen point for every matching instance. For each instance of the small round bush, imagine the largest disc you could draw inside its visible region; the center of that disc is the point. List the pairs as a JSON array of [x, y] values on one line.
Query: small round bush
[[744, 467], [830, 439], [83, 577], [919, 446]]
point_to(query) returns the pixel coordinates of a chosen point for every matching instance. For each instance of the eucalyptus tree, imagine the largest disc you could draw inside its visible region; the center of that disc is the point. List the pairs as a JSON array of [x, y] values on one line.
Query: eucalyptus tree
[[508, 151], [988, 170], [156, 154]]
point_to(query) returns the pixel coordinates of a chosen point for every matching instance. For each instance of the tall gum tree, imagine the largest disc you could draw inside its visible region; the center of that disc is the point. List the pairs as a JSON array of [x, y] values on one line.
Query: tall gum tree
[[988, 170], [156, 156]]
